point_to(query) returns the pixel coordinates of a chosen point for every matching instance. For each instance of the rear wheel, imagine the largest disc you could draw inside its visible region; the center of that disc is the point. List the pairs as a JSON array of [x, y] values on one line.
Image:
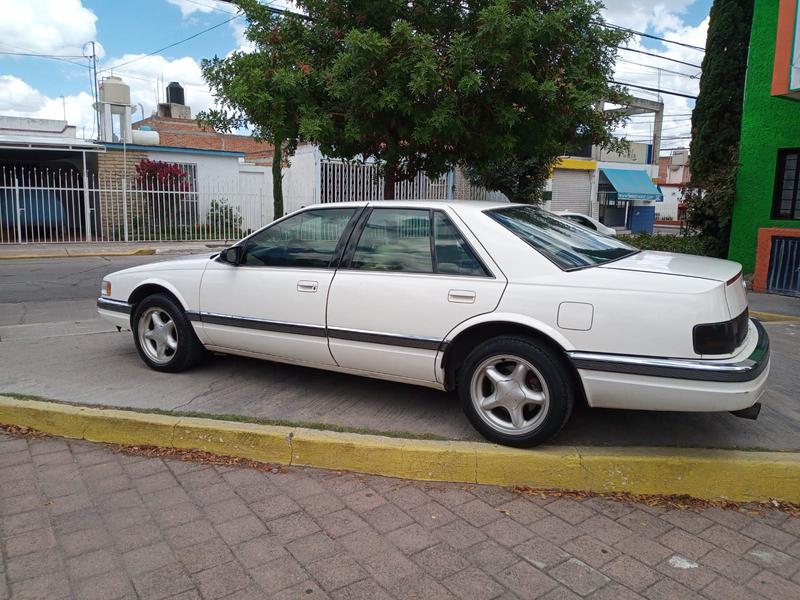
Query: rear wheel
[[515, 391], [163, 336]]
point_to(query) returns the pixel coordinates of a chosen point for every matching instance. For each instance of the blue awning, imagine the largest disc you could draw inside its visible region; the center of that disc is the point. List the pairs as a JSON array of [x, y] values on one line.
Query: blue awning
[[632, 184]]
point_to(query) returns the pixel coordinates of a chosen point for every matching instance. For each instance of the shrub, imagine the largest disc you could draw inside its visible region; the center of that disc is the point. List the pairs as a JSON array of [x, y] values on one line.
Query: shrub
[[685, 244]]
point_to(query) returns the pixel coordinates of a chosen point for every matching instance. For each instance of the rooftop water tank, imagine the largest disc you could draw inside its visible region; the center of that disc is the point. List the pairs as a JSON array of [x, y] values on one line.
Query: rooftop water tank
[[114, 91], [175, 93]]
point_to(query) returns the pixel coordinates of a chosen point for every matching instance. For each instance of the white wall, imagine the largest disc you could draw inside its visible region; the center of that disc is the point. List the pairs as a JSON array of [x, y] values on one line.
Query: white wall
[[300, 179]]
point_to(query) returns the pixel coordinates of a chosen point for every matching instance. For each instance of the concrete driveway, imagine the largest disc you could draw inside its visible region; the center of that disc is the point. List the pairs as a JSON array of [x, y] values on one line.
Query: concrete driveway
[[52, 345]]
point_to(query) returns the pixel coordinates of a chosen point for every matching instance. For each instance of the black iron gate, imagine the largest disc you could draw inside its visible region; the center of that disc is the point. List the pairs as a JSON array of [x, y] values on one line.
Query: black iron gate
[[784, 266]]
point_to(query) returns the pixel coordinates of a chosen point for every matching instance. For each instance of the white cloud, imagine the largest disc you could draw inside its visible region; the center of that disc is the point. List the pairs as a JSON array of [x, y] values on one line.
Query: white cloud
[[46, 26], [666, 19], [190, 7], [19, 99]]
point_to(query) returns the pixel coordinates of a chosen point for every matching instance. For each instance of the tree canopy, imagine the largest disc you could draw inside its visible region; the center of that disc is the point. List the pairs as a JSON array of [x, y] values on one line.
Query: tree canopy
[[501, 87]]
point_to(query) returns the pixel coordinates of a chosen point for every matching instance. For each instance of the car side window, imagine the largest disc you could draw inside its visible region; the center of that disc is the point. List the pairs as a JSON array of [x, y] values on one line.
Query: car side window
[[453, 254], [306, 240], [395, 239]]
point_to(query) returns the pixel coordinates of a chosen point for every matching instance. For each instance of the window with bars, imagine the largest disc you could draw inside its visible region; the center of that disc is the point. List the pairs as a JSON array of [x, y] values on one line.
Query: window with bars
[[786, 201]]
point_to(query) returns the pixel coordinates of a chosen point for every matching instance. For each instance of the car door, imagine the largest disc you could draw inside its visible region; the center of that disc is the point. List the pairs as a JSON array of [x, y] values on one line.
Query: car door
[[408, 277], [273, 303]]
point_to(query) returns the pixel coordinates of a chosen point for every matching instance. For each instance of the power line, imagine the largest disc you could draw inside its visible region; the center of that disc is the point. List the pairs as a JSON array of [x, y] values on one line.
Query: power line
[[630, 62], [657, 90], [662, 57], [59, 57], [651, 36], [172, 45]]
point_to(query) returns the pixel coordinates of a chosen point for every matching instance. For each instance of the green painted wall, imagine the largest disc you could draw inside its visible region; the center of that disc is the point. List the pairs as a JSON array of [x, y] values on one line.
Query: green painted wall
[[768, 123]]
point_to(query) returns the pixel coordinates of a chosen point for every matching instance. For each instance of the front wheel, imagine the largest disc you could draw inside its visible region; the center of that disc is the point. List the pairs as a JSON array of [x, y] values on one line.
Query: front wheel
[[163, 336], [516, 391]]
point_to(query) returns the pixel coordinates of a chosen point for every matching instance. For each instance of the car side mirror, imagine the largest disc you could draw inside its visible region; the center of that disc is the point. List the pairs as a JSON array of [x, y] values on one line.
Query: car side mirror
[[233, 255]]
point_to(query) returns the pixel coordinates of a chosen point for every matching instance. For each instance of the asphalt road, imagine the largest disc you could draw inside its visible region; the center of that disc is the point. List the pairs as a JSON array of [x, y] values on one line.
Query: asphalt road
[[52, 345]]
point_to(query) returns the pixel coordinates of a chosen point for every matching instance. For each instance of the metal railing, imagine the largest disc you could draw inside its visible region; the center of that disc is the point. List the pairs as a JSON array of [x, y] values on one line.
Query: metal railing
[[58, 206]]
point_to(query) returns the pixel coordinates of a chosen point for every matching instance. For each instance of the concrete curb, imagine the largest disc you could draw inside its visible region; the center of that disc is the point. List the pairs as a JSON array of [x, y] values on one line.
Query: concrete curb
[[67, 254], [768, 317], [707, 474]]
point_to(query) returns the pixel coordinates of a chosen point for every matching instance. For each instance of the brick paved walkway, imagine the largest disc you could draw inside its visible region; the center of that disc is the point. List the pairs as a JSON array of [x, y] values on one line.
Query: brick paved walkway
[[81, 521]]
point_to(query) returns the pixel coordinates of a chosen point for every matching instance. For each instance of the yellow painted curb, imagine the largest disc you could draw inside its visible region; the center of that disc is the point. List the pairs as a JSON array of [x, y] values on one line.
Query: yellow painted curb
[[137, 252], [768, 317], [708, 474]]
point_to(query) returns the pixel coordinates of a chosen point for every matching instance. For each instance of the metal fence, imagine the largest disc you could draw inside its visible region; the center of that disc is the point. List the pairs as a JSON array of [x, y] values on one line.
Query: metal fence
[[346, 181], [43, 206]]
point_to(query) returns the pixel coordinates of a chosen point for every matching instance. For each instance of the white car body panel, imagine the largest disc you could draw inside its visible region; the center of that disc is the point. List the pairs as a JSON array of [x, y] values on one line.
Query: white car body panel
[[398, 326], [280, 295]]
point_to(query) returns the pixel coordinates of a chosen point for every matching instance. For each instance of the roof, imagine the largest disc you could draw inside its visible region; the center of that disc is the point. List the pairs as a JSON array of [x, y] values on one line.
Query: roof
[[632, 184], [176, 149], [188, 133], [47, 142]]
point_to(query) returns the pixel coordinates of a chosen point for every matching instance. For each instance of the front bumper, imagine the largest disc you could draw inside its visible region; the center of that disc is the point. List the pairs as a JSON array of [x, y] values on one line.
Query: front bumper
[[115, 312], [647, 383]]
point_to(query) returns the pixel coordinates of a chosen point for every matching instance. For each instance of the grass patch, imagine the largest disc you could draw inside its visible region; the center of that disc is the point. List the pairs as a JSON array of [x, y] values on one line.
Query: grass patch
[[684, 244], [237, 418]]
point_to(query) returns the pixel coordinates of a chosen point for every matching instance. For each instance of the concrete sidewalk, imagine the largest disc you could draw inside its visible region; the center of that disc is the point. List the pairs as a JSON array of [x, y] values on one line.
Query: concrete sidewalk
[[83, 521], [34, 251]]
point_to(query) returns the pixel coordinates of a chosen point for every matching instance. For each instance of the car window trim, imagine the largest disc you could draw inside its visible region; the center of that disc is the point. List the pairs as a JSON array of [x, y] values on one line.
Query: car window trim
[[358, 230], [335, 257]]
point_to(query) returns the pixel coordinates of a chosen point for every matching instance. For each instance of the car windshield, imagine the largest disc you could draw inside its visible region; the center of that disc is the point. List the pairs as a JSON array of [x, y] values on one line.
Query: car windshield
[[562, 241]]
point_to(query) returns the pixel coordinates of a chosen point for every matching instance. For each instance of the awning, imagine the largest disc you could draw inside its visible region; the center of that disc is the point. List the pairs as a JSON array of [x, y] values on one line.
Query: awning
[[632, 184]]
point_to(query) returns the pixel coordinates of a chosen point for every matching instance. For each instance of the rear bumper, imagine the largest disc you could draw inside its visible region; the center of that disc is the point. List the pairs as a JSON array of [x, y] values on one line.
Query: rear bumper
[[646, 383]]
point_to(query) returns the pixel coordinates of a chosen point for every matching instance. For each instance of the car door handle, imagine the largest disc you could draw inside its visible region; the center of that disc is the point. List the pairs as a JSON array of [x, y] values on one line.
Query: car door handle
[[461, 296], [307, 286]]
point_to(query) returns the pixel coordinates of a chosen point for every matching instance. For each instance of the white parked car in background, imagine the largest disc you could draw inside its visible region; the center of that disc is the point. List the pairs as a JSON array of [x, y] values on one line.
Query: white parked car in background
[[587, 222], [522, 312]]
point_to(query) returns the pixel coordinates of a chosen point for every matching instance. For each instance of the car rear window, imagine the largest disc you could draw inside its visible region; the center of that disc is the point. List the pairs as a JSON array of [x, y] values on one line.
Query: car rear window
[[567, 245]]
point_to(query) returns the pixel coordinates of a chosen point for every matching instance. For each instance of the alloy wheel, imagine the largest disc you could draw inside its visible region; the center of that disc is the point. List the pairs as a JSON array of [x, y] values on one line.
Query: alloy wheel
[[509, 394]]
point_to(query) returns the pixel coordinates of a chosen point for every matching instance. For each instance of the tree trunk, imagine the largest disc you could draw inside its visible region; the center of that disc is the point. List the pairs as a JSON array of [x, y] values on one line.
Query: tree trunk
[[389, 180], [277, 179]]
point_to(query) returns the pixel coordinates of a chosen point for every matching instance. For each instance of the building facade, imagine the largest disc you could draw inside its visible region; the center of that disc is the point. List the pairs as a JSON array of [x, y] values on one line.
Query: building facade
[[765, 234]]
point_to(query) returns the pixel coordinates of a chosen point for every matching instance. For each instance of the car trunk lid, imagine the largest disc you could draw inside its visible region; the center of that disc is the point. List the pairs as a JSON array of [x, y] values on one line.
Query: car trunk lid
[[686, 265]]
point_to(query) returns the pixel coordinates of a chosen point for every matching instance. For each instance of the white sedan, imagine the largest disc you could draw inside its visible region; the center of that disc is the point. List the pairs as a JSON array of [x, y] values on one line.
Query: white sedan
[[588, 222], [520, 311]]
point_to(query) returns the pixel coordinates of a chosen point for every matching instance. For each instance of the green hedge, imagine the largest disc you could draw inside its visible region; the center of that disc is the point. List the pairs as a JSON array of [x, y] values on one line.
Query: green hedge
[[685, 244]]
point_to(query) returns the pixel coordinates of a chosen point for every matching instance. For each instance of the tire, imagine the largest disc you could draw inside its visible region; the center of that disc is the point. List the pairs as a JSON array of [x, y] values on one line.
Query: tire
[[175, 346], [522, 415]]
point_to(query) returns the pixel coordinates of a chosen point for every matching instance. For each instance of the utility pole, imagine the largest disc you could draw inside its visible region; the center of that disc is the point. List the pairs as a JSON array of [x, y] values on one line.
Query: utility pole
[[95, 91]]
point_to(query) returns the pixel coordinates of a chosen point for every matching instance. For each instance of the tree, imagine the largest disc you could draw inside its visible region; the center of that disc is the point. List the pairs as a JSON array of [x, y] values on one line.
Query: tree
[[716, 122], [501, 86], [536, 76], [265, 90]]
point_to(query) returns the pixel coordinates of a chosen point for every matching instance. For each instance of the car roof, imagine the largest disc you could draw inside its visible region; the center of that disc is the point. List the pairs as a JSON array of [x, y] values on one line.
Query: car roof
[[457, 205]]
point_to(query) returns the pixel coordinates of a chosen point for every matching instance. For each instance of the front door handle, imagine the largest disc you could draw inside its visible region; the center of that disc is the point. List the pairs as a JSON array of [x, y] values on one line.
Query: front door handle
[[461, 296], [307, 286]]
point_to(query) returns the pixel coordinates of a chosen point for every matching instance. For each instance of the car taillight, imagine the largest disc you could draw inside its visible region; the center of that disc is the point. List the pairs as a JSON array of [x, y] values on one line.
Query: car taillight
[[105, 289], [721, 338]]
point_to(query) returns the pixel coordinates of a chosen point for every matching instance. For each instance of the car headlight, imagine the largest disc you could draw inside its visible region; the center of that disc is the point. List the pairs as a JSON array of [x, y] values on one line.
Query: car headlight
[[105, 289]]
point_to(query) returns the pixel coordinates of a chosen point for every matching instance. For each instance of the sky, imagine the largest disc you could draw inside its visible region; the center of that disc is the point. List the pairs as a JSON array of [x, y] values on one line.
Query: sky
[[125, 33]]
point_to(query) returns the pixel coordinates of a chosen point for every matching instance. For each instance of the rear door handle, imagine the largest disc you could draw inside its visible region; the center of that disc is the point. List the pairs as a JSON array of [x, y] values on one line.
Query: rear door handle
[[307, 286], [461, 296]]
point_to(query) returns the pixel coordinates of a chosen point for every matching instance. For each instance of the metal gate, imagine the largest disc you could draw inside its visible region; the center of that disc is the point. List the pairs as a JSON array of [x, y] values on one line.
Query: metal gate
[[783, 276], [571, 191], [61, 206]]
